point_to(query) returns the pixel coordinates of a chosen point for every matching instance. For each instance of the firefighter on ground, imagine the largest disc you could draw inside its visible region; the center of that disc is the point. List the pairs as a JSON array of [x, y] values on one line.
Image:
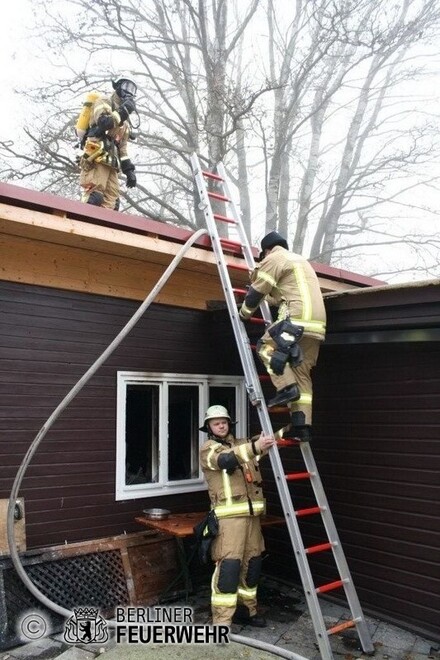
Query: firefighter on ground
[[230, 467], [289, 348], [104, 140]]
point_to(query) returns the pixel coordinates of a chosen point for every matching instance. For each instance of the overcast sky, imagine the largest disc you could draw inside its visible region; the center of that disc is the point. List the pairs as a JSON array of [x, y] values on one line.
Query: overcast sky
[[22, 68], [17, 65]]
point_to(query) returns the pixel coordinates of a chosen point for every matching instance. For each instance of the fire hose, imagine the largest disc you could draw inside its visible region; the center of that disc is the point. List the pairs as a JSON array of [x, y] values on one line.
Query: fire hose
[[54, 416]]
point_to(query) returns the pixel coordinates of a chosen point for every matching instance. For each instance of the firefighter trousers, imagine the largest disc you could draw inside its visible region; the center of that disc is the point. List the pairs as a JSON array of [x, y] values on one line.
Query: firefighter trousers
[[101, 179], [300, 375], [236, 551]]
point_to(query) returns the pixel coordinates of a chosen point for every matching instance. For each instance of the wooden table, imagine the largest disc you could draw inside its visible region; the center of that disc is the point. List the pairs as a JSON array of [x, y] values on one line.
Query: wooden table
[[181, 525]]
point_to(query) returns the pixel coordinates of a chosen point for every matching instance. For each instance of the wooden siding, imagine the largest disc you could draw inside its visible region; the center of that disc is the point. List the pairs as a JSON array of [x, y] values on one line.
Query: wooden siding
[[46, 217], [377, 447], [376, 438], [400, 308], [48, 339], [108, 262]]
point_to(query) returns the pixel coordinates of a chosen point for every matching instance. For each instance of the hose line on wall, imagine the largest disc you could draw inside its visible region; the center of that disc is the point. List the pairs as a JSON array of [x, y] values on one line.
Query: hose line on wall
[[57, 412], [284, 653]]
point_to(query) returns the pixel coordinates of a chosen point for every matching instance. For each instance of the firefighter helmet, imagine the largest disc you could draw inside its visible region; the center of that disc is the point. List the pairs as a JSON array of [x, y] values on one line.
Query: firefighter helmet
[[270, 240], [124, 86], [215, 412]]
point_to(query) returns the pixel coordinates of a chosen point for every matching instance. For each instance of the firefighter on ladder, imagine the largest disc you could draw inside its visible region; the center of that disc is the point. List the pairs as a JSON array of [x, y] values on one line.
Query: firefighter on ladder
[[289, 348], [104, 129], [230, 467]]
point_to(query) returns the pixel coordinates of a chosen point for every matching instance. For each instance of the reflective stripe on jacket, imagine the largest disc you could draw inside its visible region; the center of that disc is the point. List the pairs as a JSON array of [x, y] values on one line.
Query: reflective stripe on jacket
[[288, 280], [236, 492]]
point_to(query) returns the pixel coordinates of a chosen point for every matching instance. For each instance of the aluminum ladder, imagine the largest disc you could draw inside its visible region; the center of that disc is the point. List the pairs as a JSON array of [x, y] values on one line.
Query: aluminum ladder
[[253, 386]]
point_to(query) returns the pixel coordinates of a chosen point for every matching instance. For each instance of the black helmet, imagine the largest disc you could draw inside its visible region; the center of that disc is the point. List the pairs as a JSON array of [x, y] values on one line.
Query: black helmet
[[124, 86], [270, 240]]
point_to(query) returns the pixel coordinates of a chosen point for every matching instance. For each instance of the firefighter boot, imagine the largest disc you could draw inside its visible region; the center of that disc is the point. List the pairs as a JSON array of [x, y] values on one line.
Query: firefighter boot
[[95, 198], [290, 393], [243, 617], [300, 430], [302, 433]]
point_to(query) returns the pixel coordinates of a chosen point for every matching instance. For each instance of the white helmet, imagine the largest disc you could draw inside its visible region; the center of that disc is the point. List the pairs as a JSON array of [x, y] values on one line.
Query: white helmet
[[214, 412]]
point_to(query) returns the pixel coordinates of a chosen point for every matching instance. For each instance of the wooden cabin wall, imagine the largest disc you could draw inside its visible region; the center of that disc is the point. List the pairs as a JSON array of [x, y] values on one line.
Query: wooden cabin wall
[[377, 447], [48, 339]]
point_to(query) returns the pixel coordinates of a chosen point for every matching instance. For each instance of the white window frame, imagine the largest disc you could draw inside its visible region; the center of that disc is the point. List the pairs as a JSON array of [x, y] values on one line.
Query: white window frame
[[162, 381]]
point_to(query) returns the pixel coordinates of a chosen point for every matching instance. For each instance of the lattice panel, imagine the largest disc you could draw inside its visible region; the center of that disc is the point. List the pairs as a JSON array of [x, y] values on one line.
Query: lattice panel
[[91, 579], [94, 579]]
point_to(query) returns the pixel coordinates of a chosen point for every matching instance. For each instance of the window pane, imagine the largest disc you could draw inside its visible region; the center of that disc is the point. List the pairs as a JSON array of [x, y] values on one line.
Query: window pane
[[183, 417], [142, 434], [223, 396]]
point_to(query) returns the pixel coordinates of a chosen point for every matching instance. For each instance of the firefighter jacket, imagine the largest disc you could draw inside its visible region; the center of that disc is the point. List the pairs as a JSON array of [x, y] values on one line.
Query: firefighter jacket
[[236, 490], [288, 280], [110, 148]]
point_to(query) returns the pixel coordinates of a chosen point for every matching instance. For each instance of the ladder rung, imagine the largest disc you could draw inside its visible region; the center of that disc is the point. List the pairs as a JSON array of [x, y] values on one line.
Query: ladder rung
[[330, 586], [227, 242], [342, 626], [222, 198], [224, 218], [211, 175], [293, 441], [278, 410], [287, 442], [318, 548], [237, 267], [239, 291], [296, 476], [308, 512]]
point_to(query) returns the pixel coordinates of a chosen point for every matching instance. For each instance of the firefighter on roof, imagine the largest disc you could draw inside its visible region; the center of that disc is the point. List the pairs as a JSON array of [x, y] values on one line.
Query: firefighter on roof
[[230, 467], [103, 128], [289, 348]]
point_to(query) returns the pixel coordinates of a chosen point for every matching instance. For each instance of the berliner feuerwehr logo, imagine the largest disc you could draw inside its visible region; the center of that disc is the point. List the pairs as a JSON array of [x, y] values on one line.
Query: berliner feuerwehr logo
[[85, 626]]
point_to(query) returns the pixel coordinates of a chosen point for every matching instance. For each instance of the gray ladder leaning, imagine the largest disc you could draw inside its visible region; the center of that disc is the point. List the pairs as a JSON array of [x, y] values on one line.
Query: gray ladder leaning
[[255, 394]]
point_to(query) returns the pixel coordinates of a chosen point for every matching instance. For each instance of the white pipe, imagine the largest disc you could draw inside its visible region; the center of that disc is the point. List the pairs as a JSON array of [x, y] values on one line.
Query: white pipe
[[264, 646], [56, 413]]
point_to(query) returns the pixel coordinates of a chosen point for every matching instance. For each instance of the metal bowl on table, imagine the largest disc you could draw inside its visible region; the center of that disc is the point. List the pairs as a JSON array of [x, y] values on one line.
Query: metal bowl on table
[[156, 514]]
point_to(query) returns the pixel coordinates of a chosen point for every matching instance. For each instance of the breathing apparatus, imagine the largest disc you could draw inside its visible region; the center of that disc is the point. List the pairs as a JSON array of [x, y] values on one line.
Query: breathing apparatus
[[83, 121], [125, 88]]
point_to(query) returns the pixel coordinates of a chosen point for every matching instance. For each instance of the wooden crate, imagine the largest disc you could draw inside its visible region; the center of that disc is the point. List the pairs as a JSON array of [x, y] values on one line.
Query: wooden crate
[[19, 527]]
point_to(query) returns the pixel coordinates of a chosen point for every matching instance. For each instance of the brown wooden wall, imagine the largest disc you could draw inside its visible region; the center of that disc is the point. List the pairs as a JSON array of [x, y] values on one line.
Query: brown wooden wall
[[377, 447], [48, 339], [377, 424]]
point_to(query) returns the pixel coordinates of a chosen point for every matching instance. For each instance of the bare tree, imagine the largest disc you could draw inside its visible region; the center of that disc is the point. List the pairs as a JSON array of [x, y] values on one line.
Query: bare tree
[[179, 51], [299, 100], [327, 49]]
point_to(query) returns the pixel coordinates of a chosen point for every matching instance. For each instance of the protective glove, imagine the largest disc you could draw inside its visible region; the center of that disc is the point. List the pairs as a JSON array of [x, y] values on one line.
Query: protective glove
[[126, 108], [105, 123], [131, 179]]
